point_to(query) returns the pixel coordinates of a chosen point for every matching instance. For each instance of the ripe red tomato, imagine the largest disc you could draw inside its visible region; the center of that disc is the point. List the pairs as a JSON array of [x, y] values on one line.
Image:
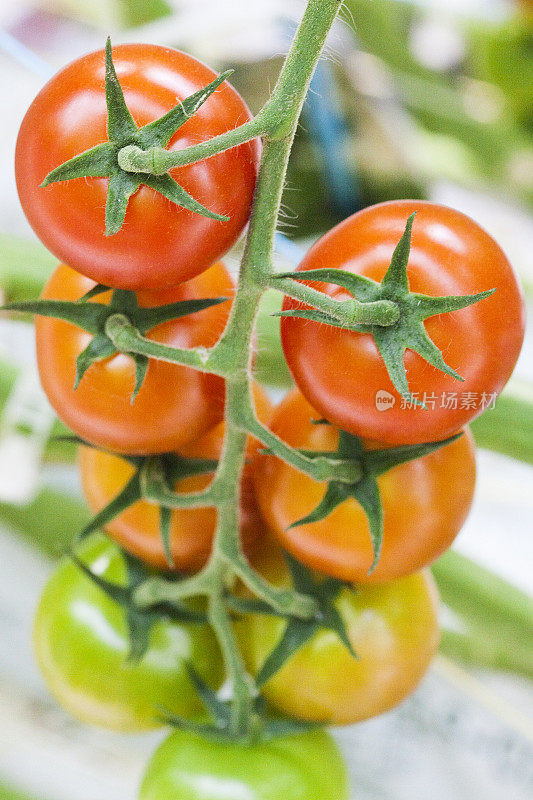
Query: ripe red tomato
[[174, 405], [159, 244], [342, 373], [393, 628], [425, 503], [138, 528]]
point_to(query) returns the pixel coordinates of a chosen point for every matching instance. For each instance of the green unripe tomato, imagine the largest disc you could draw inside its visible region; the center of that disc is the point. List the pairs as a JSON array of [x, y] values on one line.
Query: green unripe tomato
[[306, 766], [81, 643]]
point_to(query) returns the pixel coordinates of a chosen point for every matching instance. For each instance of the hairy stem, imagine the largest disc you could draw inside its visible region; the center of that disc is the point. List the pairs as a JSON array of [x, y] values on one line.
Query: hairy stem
[[380, 312], [232, 357]]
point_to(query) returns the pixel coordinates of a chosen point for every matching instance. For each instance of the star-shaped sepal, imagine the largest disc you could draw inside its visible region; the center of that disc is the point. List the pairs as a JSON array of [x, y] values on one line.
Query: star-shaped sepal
[[298, 631], [92, 317], [172, 468], [409, 332], [101, 161], [365, 490], [139, 621]]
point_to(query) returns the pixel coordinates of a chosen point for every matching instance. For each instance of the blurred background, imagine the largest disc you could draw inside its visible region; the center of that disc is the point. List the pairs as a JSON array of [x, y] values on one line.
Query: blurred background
[[413, 99]]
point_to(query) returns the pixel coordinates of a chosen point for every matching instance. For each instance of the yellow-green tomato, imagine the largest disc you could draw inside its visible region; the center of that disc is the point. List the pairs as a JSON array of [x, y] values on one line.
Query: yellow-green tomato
[[393, 629], [82, 644], [306, 766]]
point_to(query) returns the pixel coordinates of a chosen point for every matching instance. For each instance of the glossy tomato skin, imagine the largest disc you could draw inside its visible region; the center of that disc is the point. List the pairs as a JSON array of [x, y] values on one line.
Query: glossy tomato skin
[[341, 372], [137, 529], [393, 629], [425, 503], [159, 244], [81, 644], [175, 404], [306, 766]]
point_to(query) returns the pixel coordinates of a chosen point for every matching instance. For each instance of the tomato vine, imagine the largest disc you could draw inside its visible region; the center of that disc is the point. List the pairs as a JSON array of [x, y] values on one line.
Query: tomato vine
[[388, 310]]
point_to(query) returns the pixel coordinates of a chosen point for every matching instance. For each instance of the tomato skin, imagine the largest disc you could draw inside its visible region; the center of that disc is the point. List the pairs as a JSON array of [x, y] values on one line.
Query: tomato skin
[[160, 244], [137, 529], [307, 766], [425, 503], [393, 629], [81, 645], [175, 404], [341, 372]]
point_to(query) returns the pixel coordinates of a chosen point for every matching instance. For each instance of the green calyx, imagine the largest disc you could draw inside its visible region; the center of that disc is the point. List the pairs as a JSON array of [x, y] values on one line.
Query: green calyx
[[139, 621], [93, 316], [300, 631], [263, 727], [371, 464], [171, 468], [102, 161], [408, 331]]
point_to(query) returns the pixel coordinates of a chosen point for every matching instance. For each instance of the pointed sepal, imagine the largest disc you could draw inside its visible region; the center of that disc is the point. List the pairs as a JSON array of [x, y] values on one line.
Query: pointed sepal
[[299, 632]]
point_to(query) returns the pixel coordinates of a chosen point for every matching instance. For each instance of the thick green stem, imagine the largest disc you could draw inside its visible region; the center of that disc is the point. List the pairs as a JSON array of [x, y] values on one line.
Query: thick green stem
[[353, 312], [158, 160], [232, 358], [127, 339]]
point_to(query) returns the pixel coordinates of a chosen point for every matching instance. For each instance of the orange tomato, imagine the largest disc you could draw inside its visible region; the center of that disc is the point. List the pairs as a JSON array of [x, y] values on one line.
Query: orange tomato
[[175, 404], [137, 528], [425, 503]]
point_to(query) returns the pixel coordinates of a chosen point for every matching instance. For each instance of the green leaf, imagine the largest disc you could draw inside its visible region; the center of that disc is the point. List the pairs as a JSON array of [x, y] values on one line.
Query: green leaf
[[117, 593], [121, 187], [98, 349], [125, 301], [120, 124], [141, 368], [179, 467], [140, 626], [163, 129], [97, 162], [168, 187], [350, 446], [147, 318], [276, 728], [90, 317], [395, 283], [296, 634], [336, 493], [391, 350], [366, 492], [219, 710], [425, 306], [94, 292], [129, 495], [419, 341], [380, 461]]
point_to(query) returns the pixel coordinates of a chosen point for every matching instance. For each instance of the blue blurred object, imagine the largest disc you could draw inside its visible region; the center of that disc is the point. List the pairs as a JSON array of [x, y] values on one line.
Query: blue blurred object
[[328, 129], [288, 249]]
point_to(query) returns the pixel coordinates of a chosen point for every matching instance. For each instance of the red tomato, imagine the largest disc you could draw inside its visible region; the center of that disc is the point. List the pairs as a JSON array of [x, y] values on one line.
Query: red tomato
[[159, 244], [425, 503], [174, 405], [342, 373], [138, 528]]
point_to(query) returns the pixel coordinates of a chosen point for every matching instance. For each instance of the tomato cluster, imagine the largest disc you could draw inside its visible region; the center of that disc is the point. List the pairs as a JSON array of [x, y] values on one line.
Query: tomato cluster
[[164, 255]]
